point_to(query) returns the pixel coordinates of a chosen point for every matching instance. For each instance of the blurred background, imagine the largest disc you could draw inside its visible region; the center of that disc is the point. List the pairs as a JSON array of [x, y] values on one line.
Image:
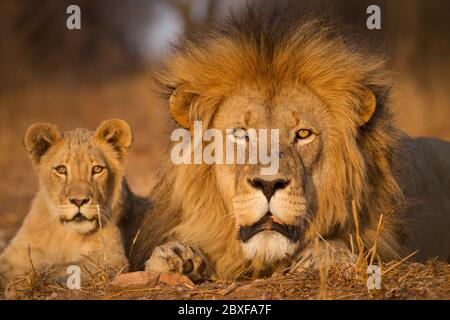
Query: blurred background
[[79, 78]]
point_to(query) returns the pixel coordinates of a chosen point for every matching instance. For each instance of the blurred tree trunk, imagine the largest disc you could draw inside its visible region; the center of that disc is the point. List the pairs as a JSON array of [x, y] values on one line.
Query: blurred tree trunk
[[405, 25], [185, 9]]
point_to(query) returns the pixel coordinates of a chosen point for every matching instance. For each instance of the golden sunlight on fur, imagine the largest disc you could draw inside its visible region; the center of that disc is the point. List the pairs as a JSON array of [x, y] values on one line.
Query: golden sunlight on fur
[[338, 145], [81, 200]]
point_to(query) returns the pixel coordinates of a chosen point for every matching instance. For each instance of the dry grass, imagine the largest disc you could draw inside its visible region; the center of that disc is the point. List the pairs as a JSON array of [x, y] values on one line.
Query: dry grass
[[52, 283], [403, 281]]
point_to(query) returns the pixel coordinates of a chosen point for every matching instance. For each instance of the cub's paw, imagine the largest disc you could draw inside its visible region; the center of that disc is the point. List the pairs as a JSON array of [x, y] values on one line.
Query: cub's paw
[[174, 257]]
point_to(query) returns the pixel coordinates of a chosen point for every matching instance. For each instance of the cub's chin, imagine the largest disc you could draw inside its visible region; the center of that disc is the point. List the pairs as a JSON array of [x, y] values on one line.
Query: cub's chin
[[84, 227], [269, 246], [80, 224]]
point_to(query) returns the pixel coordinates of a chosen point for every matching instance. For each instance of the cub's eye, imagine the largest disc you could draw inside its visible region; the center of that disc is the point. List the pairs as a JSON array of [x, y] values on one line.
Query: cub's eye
[[61, 170], [240, 133], [97, 169]]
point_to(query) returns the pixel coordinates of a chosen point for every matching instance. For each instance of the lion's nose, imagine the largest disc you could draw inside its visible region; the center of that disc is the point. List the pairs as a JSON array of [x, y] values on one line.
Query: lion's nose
[[79, 202], [269, 187]]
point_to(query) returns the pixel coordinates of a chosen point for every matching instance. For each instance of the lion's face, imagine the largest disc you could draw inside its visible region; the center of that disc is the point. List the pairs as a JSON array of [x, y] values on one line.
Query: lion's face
[[78, 178], [80, 172], [271, 211]]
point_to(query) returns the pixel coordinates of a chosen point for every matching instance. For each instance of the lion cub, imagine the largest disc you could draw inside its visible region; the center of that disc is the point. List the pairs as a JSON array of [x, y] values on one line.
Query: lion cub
[[82, 198]]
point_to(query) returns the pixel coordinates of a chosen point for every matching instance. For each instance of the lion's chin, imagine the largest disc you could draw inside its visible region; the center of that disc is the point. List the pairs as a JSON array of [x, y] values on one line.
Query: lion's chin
[[84, 226], [269, 246]]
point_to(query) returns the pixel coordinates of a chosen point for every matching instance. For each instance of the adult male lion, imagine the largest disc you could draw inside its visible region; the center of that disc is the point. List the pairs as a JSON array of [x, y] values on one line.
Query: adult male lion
[[338, 146]]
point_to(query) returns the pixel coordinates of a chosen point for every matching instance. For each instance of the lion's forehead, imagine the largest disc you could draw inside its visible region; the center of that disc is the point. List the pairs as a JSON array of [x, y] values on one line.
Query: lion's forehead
[[78, 136], [262, 108], [78, 151]]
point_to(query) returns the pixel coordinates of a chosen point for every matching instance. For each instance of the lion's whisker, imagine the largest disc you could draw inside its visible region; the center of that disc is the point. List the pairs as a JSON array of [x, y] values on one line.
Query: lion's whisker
[[105, 213]]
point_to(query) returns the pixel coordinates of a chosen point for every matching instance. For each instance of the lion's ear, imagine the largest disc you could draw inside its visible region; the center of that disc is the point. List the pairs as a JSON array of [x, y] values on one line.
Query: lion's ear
[[117, 133], [369, 105], [38, 139], [180, 105]]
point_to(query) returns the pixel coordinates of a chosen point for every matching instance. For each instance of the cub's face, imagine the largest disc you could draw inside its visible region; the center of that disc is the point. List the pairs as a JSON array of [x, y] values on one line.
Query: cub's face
[[80, 172], [271, 210], [79, 181]]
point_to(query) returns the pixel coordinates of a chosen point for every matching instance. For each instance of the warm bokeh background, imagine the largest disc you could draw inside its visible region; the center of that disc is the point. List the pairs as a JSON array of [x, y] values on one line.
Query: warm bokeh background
[[79, 78]]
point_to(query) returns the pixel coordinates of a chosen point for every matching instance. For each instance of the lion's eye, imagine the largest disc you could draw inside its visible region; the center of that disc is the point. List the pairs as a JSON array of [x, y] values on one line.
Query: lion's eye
[[304, 136], [240, 133], [97, 169], [61, 170]]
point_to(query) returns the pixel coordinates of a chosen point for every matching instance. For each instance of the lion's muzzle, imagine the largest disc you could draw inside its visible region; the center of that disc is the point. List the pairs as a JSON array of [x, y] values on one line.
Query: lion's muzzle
[[79, 217], [269, 223]]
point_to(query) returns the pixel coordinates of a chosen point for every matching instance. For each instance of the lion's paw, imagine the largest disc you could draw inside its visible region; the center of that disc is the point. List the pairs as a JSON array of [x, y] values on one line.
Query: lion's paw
[[174, 257]]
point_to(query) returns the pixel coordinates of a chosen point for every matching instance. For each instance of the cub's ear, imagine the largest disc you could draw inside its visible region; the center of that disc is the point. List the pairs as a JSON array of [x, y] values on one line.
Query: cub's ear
[[369, 105], [180, 105], [39, 137], [117, 133]]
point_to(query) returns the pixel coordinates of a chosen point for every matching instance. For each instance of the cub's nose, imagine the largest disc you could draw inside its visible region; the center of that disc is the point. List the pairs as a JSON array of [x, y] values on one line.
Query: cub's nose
[[269, 187], [79, 202]]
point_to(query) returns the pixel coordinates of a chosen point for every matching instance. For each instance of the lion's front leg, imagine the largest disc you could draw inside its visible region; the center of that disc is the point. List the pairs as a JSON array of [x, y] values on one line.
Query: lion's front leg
[[174, 257]]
